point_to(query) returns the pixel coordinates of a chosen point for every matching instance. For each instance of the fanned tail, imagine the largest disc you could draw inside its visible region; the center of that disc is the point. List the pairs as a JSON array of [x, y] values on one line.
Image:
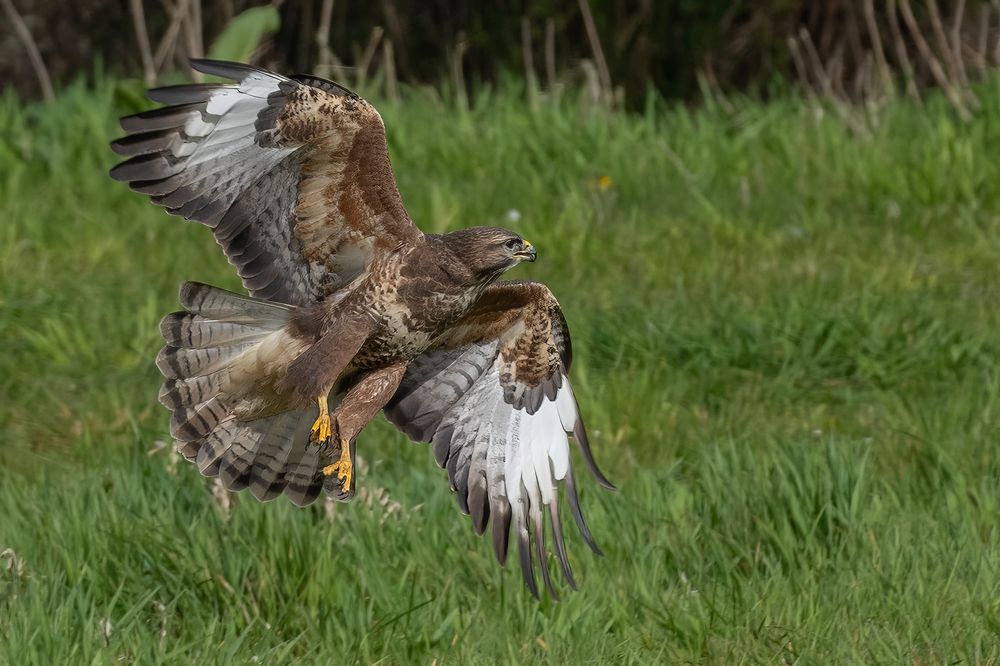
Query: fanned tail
[[204, 345]]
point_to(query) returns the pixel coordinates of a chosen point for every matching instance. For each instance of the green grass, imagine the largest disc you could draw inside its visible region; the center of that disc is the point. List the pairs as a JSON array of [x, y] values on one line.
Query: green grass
[[787, 349]]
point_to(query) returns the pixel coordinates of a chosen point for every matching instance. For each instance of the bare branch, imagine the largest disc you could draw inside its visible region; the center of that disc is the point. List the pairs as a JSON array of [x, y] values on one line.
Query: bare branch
[[323, 34], [901, 53], [550, 54], [142, 36], [942, 42], [32, 48], [864, 89], [169, 41], [800, 66], [996, 47], [604, 75], [389, 66], [932, 62], [457, 73], [592, 84], [192, 28], [881, 64], [952, 50], [984, 34], [835, 70], [199, 28], [956, 43], [816, 64], [398, 31], [368, 54]]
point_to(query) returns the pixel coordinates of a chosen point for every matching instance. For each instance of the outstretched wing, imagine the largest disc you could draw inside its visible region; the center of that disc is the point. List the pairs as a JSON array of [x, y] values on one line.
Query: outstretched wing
[[292, 175], [495, 401]]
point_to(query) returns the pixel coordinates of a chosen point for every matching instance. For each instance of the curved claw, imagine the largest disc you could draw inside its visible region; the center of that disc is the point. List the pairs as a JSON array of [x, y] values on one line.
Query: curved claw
[[321, 431], [322, 428], [343, 468]]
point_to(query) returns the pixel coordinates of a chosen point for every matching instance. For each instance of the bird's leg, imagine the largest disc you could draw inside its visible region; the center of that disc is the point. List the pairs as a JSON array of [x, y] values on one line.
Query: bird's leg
[[321, 429], [343, 468], [360, 404]]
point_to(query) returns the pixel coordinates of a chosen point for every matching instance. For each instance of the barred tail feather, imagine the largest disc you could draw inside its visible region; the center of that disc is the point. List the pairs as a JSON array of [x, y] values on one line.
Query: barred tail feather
[[215, 303], [190, 423], [175, 393], [192, 331], [208, 455], [234, 468], [181, 363], [268, 477], [304, 478], [267, 455]]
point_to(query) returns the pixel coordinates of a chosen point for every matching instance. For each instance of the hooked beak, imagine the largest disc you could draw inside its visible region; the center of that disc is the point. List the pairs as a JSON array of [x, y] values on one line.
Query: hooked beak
[[527, 253]]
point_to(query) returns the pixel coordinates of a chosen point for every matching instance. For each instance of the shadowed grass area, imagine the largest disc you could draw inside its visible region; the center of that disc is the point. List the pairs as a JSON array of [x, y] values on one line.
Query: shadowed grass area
[[785, 344]]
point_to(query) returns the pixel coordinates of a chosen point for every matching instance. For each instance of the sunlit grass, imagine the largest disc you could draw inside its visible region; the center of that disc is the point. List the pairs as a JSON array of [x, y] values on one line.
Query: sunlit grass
[[785, 344]]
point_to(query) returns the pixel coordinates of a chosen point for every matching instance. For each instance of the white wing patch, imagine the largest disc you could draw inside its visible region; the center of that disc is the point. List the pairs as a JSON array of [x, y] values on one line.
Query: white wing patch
[[503, 462]]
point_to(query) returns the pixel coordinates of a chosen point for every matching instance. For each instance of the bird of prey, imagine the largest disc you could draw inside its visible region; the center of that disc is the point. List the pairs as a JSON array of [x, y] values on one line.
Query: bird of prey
[[351, 310]]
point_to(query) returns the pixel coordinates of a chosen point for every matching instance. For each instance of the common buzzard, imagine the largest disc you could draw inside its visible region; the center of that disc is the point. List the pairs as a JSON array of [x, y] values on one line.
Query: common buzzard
[[350, 305]]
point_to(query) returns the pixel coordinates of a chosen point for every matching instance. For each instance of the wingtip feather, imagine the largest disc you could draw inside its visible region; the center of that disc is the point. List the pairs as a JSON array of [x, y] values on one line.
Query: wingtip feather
[[561, 554], [539, 525], [501, 531], [527, 567], [184, 94], [581, 522], [226, 69], [583, 443]]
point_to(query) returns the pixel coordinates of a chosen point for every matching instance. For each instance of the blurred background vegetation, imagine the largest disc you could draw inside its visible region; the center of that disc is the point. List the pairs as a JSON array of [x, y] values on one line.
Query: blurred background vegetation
[[850, 50], [779, 264]]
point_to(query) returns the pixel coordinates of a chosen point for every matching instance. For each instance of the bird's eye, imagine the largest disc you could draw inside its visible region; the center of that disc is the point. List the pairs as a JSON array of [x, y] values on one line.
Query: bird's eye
[[512, 244]]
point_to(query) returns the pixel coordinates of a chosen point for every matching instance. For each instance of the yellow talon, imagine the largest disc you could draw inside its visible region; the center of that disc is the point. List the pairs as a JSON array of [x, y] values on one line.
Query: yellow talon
[[343, 468], [321, 429]]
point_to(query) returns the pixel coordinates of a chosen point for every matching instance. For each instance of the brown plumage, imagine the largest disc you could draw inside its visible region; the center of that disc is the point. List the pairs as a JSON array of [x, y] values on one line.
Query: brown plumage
[[349, 300]]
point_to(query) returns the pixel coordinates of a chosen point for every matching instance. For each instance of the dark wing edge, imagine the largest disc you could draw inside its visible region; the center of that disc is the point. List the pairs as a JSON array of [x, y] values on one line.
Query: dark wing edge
[[502, 437], [257, 161]]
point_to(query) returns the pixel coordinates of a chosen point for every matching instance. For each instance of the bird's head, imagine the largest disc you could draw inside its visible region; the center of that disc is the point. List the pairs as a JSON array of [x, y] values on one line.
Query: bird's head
[[489, 251]]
